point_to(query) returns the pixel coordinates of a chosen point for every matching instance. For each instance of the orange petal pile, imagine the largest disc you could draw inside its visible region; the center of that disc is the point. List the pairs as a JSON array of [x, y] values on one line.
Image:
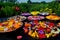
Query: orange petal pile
[[53, 17], [11, 24]]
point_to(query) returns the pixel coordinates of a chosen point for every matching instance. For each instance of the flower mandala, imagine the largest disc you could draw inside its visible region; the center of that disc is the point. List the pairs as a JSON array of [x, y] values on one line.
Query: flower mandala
[[41, 29]]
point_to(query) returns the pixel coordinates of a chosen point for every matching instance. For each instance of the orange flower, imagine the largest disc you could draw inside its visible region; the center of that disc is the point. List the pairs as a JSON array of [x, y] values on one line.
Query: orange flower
[[16, 25], [27, 24], [9, 29], [53, 17], [11, 20], [0, 24], [25, 30]]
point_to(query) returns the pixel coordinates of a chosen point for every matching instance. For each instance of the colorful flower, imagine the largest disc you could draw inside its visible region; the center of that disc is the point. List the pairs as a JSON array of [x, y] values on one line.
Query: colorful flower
[[41, 32], [35, 12], [35, 17], [25, 30], [25, 14], [41, 36], [48, 29], [17, 8], [48, 35], [52, 17], [44, 13]]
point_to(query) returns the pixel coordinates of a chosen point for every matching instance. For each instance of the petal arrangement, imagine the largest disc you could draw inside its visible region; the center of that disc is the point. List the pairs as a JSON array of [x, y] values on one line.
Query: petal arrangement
[[11, 23], [35, 17], [53, 17], [35, 26], [41, 29]]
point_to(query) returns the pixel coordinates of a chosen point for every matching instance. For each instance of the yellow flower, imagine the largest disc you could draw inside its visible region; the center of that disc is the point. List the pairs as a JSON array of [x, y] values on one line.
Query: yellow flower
[[42, 24], [10, 24], [35, 12], [33, 34], [36, 34], [30, 32], [1, 28], [5, 22], [48, 35]]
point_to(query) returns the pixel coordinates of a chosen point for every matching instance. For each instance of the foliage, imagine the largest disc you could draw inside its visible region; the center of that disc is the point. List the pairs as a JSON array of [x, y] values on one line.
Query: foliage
[[46, 10], [8, 9]]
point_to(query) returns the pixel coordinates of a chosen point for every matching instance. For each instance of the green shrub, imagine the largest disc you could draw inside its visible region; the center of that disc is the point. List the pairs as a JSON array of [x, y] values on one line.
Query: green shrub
[[7, 11]]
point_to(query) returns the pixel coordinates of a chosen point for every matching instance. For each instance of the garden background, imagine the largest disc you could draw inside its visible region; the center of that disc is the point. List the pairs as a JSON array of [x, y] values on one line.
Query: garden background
[[15, 8]]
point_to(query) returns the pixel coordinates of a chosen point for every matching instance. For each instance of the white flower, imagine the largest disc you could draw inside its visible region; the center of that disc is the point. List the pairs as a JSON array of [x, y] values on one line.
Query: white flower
[[6, 29], [55, 32]]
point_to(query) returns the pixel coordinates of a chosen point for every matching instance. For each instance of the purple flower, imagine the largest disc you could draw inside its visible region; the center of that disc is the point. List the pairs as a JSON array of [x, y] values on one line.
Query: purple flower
[[25, 14], [35, 18], [41, 32]]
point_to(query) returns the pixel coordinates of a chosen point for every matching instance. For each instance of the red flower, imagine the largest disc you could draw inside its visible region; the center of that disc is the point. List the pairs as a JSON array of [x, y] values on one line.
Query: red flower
[[25, 30], [17, 8], [42, 36], [51, 24], [1, 24], [35, 21], [41, 28], [48, 29]]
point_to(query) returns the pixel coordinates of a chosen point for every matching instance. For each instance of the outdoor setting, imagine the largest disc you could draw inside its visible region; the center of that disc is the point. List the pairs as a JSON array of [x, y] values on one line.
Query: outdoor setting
[[30, 19]]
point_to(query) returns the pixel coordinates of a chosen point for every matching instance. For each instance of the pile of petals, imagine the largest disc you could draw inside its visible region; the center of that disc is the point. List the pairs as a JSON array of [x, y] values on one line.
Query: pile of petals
[[25, 14], [35, 13], [44, 13], [53, 17], [11, 24], [35, 17], [19, 18], [41, 29]]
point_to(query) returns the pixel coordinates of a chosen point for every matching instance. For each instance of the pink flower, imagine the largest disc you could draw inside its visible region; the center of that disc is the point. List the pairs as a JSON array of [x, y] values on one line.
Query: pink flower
[[19, 37], [17, 8]]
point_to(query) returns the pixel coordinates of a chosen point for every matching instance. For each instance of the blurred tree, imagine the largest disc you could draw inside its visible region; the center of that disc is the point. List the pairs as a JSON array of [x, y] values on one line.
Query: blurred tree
[[1, 0], [43, 2], [8, 0], [57, 1], [12, 0], [29, 1]]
